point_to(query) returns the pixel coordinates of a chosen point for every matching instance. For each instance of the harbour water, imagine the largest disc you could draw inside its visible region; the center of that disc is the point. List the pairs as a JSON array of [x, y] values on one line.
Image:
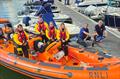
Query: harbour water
[[10, 8], [5, 13], [9, 74]]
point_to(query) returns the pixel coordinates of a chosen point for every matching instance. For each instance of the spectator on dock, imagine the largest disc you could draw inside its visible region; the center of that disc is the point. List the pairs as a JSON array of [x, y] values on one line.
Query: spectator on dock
[[78, 1], [84, 35], [100, 32], [66, 2]]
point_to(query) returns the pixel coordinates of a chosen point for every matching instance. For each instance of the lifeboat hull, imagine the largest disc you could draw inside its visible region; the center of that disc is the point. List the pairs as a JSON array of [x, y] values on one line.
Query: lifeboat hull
[[56, 73], [55, 70]]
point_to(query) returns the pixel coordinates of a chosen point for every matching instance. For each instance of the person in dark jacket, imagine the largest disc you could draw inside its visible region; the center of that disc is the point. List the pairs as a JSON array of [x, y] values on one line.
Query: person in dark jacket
[[100, 32], [84, 35]]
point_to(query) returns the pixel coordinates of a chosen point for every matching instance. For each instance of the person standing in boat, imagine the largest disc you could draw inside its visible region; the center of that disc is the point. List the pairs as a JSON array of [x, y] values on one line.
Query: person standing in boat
[[100, 32], [63, 36], [41, 28], [20, 39], [84, 35], [51, 33]]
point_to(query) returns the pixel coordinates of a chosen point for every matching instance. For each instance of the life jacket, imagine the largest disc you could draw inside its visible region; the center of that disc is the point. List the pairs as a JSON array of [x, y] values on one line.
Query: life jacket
[[52, 33], [62, 35], [41, 27], [22, 37]]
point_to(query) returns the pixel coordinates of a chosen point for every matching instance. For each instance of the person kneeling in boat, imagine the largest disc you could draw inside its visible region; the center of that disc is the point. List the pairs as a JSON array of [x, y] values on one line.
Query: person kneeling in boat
[[51, 32], [63, 36], [84, 35], [20, 39], [8, 31], [2, 37], [41, 28], [100, 32]]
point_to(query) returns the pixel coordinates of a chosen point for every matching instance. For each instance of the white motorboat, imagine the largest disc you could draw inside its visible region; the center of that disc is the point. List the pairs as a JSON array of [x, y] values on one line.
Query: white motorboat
[[87, 3]]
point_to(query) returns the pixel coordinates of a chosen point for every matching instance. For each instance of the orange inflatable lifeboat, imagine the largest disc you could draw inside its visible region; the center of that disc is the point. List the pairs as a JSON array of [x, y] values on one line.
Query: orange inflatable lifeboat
[[52, 64], [2, 20]]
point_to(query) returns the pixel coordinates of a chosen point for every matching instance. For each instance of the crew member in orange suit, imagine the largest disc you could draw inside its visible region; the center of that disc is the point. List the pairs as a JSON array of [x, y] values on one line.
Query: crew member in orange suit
[[20, 39], [40, 28]]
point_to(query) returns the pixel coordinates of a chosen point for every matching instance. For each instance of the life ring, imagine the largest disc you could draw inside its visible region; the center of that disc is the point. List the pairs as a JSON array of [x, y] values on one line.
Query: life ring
[[38, 46]]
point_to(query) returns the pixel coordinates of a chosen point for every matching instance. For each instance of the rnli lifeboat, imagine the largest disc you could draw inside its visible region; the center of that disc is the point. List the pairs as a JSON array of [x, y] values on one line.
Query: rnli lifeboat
[[52, 64], [2, 20]]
